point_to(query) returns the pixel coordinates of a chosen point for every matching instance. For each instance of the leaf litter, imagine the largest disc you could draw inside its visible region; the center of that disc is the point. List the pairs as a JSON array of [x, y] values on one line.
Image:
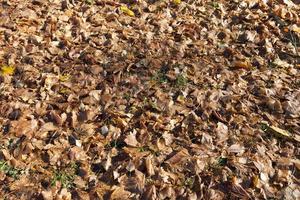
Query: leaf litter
[[149, 99]]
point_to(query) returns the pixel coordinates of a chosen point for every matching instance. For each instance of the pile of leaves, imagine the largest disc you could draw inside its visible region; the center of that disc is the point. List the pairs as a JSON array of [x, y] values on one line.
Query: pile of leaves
[[149, 99]]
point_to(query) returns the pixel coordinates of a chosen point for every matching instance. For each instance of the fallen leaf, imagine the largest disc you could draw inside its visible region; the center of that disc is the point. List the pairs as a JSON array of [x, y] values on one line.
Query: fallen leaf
[[149, 166], [130, 167], [238, 191], [177, 2], [7, 70], [119, 194], [64, 78], [178, 158], [241, 65], [236, 148], [127, 11], [255, 181], [295, 28], [280, 133], [131, 140], [297, 163]]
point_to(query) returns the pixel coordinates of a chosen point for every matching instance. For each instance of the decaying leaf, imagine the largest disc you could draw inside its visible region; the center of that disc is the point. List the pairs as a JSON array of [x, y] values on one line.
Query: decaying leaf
[[152, 99]]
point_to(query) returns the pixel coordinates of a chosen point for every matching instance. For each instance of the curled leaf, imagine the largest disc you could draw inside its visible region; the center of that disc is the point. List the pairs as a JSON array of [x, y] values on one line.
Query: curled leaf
[[7, 70], [241, 65], [127, 11]]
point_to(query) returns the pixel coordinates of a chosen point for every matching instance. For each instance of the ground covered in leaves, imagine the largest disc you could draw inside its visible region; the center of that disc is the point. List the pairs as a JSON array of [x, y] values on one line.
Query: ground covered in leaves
[[149, 99]]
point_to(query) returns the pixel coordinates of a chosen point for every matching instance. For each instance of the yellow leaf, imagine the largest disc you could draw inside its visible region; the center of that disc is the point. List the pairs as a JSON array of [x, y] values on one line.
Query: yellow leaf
[[280, 131], [120, 122], [255, 181], [64, 91], [7, 70], [181, 99], [127, 11], [64, 77], [295, 28], [177, 2]]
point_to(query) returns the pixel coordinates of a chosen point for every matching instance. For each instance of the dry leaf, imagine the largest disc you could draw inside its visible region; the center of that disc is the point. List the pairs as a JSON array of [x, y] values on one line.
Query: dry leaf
[[236, 148], [93, 96], [131, 140], [176, 2], [280, 131], [241, 65], [149, 166], [255, 181]]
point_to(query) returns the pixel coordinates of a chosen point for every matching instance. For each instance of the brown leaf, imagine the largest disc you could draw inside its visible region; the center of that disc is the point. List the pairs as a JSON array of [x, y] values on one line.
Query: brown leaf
[[131, 139], [149, 166], [238, 191], [150, 193], [236, 148], [24, 127], [241, 65], [179, 158], [56, 118], [119, 194]]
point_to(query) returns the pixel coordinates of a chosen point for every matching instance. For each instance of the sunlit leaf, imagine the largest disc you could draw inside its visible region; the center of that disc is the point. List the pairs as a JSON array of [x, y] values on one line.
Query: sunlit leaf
[[127, 11], [255, 181], [177, 2], [64, 77], [7, 70], [241, 65], [181, 99], [90, 2], [64, 91], [295, 28], [280, 131]]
